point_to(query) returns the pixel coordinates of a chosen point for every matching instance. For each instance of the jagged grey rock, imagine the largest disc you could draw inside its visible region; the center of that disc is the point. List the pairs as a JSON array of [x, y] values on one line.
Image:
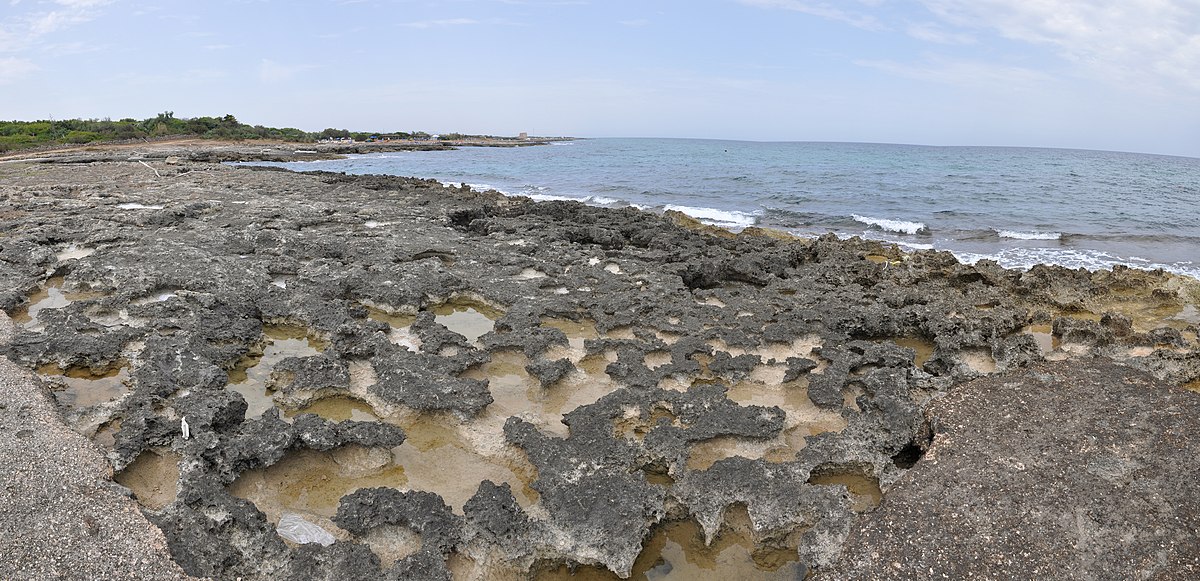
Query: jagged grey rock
[[184, 292]]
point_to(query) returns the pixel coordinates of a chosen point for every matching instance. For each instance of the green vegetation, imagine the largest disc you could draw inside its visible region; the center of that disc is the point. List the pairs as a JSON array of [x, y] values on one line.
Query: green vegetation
[[26, 134]]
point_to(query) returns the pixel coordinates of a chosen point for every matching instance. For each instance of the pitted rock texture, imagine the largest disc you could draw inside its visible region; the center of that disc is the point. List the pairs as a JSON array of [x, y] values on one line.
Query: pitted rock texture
[[1080, 470], [191, 268], [62, 518]]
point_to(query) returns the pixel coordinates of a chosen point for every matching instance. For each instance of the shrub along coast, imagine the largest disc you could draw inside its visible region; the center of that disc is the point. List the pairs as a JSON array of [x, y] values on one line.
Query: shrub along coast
[[18, 135]]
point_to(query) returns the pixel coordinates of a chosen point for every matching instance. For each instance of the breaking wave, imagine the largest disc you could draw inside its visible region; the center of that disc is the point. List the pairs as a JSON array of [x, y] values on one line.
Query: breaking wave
[[722, 218], [899, 226], [1029, 235]]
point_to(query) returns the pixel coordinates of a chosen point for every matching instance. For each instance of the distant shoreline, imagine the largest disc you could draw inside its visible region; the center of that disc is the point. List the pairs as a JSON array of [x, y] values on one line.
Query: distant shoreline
[[257, 149]]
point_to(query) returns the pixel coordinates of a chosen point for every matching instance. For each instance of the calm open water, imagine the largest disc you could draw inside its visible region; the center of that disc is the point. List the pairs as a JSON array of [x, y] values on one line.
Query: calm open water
[[1018, 206]]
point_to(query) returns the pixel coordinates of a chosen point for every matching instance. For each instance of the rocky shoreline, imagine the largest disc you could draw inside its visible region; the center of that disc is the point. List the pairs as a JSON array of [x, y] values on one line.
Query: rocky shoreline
[[178, 150], [458, 384]]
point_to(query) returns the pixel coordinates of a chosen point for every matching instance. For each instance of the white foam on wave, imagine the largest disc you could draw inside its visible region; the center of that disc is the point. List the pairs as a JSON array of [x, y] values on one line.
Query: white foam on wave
[[881, 237], [541, 194], [538, 193], [900, 226], [1026, 258], [722, 218], [552, 198], [912, 245], [482, 187], [1035, 235], [474, 187]]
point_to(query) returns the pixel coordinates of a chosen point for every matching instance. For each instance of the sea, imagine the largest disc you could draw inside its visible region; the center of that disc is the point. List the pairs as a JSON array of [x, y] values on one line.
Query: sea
[[1018, 206]]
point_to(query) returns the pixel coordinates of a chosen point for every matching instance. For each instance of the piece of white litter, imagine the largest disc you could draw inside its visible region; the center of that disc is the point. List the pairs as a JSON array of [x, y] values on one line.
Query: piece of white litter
[[294, 528], [156, 174], [137, 206], [185, 428]]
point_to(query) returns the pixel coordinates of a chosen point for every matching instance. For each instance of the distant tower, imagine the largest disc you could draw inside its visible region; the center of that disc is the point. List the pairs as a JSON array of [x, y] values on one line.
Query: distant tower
[[523, 135]]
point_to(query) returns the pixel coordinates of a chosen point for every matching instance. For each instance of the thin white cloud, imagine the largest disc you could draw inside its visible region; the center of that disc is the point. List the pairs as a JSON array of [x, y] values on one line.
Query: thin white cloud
[[270, 71], [824, 10], [21, 32], [198, 77], [965, 73], [635, 23], [9, 41], [546, 2], [13, 69], [82, 3], [933, 32], [1121, 41], [72, 48], [439, 23], [52, 22]]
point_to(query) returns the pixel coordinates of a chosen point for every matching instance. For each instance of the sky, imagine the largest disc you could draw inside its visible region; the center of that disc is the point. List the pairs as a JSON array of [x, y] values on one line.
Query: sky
[[1095, 74]]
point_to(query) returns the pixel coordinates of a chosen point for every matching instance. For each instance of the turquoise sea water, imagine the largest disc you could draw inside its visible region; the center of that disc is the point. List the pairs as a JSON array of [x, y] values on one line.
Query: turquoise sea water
[[1019, 206]]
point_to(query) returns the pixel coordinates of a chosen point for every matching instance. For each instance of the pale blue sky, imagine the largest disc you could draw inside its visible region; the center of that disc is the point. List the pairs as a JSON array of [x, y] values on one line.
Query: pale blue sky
[[1099, 74]]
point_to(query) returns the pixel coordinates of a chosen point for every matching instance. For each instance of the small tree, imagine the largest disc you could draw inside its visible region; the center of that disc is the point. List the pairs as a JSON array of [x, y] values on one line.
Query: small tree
[[331, 133]]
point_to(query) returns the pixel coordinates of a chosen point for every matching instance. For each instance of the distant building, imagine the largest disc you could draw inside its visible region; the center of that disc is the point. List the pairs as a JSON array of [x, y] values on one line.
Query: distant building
[[523, 135]]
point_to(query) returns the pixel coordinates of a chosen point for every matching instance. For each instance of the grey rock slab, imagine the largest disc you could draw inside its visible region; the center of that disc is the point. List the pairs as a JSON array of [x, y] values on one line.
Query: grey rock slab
[[1073, 470], [61, 517]]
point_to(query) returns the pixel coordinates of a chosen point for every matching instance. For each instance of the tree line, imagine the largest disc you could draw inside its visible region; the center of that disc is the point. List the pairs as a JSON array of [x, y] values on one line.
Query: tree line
[[26, 134]]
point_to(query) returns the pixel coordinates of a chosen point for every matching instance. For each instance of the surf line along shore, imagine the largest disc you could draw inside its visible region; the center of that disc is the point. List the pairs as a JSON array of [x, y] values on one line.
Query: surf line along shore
[[440, 382]]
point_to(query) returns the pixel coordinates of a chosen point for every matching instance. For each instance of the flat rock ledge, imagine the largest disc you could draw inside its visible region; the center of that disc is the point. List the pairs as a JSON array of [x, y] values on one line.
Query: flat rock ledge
[[1070, 470], [61, 517]]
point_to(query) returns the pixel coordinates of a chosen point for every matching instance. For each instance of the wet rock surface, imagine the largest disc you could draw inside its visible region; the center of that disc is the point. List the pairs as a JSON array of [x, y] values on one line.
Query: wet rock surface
[[61, 515], [1074, 470], [459, 384]]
